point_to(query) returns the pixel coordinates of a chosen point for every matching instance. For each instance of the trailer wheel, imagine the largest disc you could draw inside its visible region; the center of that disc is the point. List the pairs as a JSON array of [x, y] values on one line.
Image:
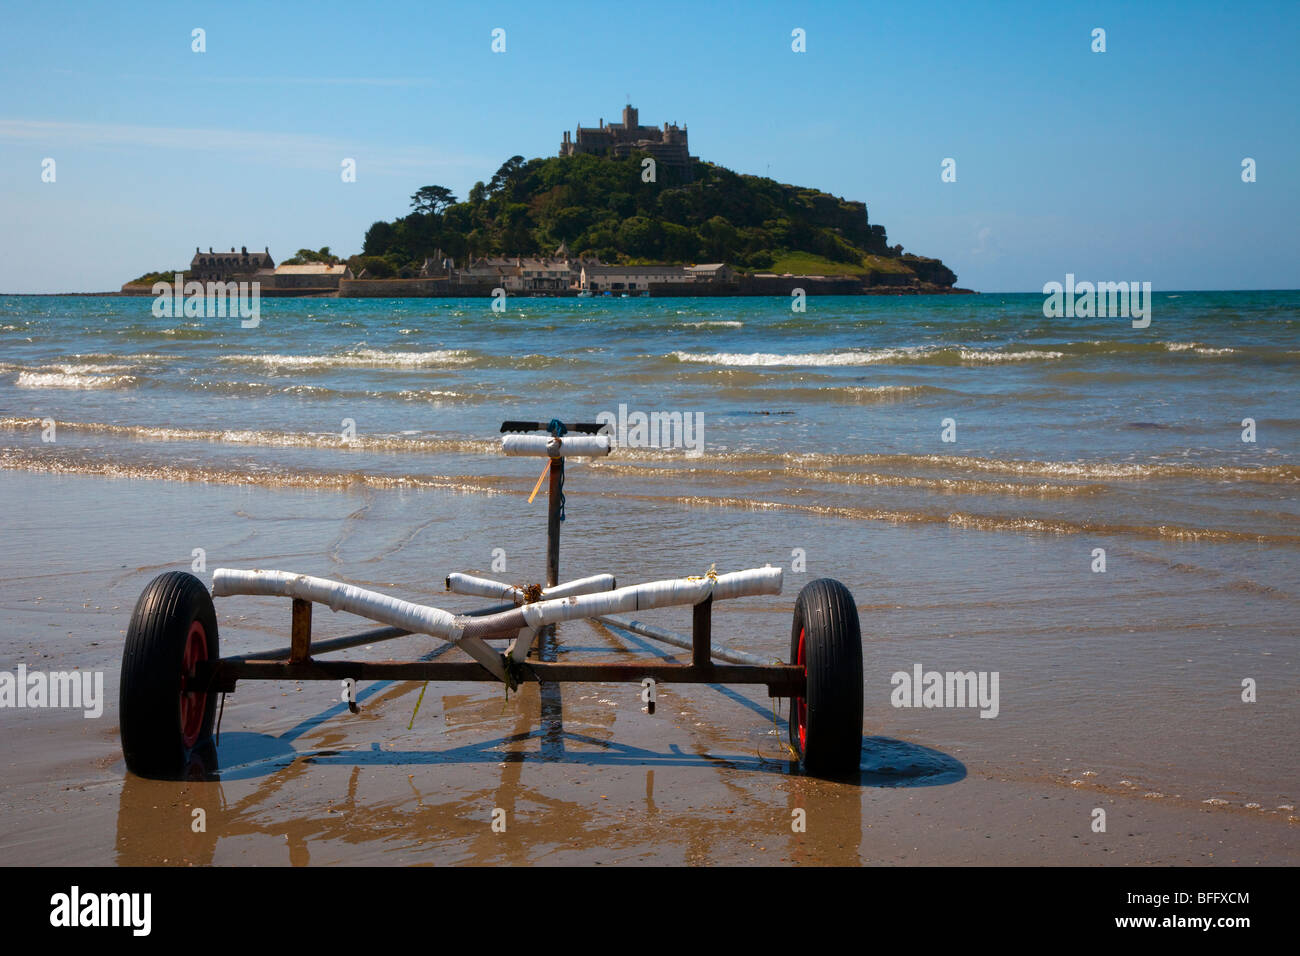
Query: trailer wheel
[[826, 640], [166, 718]]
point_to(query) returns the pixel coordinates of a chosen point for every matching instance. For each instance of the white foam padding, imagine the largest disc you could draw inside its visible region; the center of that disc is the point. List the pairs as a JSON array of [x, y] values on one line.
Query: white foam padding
[[548, 446], [475, 586], [485, 587], [639, 597], [416, 618], [423, 619]]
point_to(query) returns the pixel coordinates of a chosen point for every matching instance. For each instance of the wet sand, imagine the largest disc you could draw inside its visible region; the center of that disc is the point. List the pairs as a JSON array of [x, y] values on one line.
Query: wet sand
[[1125, 700]]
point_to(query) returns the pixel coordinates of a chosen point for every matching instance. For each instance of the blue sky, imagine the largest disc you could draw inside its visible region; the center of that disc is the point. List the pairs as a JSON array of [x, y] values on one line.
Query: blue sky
[[1117, 165]]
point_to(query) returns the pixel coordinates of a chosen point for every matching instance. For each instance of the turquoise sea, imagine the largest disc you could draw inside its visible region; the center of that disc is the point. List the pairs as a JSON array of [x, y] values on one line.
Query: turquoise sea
[[128, 441], [1073, 422]]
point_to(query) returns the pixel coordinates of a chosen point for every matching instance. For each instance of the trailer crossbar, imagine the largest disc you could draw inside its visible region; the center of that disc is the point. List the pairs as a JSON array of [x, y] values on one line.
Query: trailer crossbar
[[782, 680]]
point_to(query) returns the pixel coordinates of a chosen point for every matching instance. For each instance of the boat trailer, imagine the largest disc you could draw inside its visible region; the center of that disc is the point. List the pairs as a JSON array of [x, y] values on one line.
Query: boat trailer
[[172, 671]]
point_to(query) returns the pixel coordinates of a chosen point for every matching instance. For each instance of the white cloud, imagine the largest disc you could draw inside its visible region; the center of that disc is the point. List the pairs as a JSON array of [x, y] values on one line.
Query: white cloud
[[297, 150]]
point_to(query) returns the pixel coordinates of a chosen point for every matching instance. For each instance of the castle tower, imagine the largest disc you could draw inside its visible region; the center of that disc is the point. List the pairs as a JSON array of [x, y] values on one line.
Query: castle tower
[[668, 145]]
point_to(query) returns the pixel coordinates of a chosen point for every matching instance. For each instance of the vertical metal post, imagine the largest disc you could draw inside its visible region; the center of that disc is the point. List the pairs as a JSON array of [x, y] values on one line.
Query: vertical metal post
[[553, 524], [550, 699], [300, 631], [702, 633]]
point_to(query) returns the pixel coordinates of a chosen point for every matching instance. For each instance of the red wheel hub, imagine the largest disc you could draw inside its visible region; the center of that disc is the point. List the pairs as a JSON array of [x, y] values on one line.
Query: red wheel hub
[[801, 703], [193, 703]]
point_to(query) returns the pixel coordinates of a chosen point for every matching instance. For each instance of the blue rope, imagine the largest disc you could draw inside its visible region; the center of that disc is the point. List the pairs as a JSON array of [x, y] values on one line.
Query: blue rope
[[558, 429]]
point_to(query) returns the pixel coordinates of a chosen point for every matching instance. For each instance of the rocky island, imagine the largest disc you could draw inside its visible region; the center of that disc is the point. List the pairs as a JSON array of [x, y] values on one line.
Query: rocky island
[[624, 209]]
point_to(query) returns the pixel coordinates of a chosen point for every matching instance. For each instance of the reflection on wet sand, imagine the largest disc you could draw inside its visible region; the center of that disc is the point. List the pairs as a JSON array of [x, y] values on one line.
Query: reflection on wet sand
[[443, 811]]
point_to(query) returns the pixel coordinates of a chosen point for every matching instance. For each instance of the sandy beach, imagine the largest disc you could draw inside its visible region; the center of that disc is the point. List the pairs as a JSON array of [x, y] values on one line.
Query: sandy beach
[[1089, 717]]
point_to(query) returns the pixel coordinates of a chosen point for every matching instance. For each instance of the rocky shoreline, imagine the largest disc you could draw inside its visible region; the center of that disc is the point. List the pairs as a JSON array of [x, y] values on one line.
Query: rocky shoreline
[[438, 289]]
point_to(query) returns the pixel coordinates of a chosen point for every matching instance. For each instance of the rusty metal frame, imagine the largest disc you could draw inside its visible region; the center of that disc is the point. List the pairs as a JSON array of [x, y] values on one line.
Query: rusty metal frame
[[300, 632], [782, 680], [297, 663]]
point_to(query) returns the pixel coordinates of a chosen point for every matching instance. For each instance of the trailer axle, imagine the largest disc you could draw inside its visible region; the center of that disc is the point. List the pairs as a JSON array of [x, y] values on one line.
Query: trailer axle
[[782, 680]]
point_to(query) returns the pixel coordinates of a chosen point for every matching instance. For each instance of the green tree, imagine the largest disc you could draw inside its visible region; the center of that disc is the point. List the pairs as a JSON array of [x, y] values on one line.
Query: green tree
[[569, 223], [304, 256], [641, 238], [431, 200], [720, 239], [506, 176], [375, 267], [379, 238], [680, 244]]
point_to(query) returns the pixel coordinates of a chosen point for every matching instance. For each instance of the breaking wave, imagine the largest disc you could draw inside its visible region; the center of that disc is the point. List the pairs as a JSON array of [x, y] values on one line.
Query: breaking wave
[[361, 358], [890, 356], [958, 466], [72, 380], [264, 438]]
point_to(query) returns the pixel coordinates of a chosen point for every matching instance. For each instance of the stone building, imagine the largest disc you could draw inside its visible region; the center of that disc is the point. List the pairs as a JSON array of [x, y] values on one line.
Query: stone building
[[222, 266], [667, 145], [712, 272], [437, 266], [632, 279], [314, 276], [560, 272]]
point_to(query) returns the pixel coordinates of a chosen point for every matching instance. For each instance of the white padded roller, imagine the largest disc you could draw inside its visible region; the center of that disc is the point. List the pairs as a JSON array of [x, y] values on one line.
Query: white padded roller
[[485, 587], [468, 632], [475, 586], [417, 618], [548, 446], [639, 597], [338, 596]]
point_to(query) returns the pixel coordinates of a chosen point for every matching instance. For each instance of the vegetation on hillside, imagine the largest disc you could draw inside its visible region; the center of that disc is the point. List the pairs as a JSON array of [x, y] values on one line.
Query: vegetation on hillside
[[149, 278], [304, 256], [601, 207]]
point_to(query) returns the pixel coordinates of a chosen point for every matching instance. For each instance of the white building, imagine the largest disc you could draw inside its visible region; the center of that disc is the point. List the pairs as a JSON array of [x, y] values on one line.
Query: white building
[[601, 278]]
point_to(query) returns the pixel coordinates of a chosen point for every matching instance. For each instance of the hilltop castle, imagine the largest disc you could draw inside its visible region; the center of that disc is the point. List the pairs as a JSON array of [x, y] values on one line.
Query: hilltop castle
[[619, 140]]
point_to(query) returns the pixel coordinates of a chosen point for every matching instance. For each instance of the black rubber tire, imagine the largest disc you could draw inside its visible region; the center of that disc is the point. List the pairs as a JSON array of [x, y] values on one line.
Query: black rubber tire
[[153, 679], [832, 708]]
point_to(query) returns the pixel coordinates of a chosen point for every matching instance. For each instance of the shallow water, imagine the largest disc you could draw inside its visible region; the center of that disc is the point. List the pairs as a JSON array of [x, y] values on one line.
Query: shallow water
[[822, 445], [1068, 425]]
